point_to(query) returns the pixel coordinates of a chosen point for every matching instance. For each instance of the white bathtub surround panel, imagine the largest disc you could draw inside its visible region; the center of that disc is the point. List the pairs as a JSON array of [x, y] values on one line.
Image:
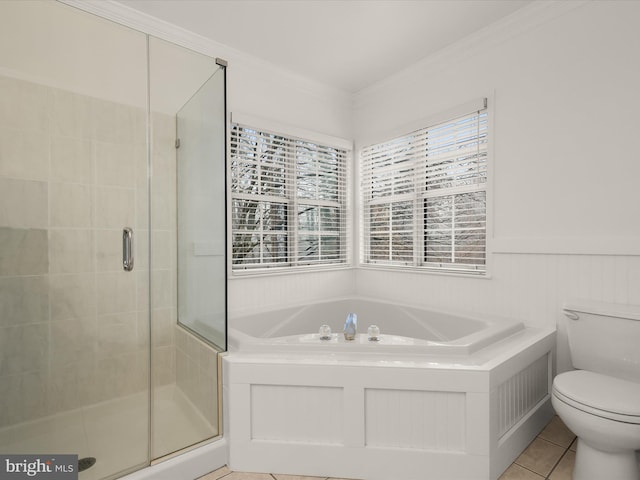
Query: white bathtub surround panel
[[517, 395], [312, 409], [423, 420], [402, 417]]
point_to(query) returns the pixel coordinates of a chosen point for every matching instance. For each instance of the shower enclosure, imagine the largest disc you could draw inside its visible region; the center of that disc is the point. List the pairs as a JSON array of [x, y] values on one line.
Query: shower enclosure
[[93, 359]]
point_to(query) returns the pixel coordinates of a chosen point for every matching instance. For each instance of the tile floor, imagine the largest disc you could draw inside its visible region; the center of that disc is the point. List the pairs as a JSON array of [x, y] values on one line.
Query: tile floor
[[549, 457]]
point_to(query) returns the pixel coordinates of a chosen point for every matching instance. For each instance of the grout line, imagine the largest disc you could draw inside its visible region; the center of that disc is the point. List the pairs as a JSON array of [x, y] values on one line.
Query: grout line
[[557, 463], [533, 471]]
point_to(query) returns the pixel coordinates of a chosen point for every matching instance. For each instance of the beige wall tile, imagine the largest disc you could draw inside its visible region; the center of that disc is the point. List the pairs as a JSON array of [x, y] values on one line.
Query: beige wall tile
[[23, 300], [24, 105], [11, 406], [23, 203], [115, 207], [163, 327], [34, 395], [73, 342], [164, 365], [72, 296], [63, 389], [163, 289], [109, 250], [23, 251], [163, 210], [71, 251], [117, 334], [71, 205], [34, 347], [72, 160], [115, 292], [163, 249], [10, 346], [72, 115], [24, 154], [115, 164]]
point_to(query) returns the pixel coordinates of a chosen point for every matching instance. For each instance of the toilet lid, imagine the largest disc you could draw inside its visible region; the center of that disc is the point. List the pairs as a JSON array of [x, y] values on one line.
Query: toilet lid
[[600, 394]]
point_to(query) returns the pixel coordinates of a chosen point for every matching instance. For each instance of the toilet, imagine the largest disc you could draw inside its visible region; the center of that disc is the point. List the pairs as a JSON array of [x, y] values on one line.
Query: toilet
[[600, 400]]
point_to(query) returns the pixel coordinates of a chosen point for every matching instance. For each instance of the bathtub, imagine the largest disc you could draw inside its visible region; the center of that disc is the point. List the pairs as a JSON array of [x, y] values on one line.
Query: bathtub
[[438, 396], [403, 329]]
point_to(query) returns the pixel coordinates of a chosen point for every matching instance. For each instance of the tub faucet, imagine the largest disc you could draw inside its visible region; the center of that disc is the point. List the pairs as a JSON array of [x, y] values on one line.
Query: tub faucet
[[350, 326]]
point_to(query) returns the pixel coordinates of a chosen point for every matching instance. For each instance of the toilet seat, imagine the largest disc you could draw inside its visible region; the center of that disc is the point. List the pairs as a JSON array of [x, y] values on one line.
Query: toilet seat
[[601, 395]]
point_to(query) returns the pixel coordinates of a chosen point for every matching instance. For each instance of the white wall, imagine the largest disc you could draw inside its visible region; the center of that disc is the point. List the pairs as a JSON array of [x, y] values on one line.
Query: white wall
[[562, 79], [260, 90]]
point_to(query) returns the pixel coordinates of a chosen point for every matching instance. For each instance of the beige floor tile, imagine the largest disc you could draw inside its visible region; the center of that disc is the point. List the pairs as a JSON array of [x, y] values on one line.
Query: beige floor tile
[[279, 476], [516, 472], [557, 432], [574, 446], [540, 457], [564, 470], [248, 476], [221, 472]]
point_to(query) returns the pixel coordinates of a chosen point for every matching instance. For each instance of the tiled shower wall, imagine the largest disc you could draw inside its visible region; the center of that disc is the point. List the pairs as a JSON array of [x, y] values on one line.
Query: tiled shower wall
[[178, 356], [74, 323], [73, 173]]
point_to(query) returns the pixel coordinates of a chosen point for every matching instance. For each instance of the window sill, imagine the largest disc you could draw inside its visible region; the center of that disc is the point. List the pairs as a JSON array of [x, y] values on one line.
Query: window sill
[[270, 272], [484, 275]]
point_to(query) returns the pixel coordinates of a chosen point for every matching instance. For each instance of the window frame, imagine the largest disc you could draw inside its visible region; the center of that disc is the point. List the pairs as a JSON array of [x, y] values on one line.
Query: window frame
[[420, 195], [301, 138]]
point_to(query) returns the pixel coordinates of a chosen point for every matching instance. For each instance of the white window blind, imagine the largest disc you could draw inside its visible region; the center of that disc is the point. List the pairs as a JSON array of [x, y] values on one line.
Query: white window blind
[[288, 201], [424, 197]]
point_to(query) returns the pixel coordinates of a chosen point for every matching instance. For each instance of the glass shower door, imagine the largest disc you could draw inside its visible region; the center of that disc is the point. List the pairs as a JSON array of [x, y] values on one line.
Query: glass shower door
[[74, 325], [187, 100], [200, 125]]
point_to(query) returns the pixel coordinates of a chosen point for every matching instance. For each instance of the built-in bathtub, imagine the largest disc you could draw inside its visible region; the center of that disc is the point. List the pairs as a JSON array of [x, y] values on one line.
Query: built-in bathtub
[[438, 396], [403, 329]]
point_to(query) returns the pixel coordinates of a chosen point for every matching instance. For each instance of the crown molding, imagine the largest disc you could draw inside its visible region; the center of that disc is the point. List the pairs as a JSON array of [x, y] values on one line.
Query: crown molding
[[536, 13], [129, 17], [147, 24]]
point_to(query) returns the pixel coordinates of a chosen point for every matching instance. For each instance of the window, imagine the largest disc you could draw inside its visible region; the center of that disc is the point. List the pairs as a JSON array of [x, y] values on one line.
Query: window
[[424, 197], [288, 201]]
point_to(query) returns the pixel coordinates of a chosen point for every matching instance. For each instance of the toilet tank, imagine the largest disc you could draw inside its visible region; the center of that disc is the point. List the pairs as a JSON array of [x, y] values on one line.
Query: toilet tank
[[605, 338]]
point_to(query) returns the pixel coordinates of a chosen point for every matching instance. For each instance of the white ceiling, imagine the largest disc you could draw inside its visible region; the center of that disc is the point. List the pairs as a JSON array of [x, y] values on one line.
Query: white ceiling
[[348, 44]]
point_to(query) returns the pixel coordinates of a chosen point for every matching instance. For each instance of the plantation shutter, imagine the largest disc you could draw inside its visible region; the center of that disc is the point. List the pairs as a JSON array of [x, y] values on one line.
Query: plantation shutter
[[424, 197], [288, 201]]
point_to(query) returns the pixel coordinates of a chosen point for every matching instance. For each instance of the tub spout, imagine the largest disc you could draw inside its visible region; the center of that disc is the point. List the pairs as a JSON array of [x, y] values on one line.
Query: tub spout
[[350, 326]]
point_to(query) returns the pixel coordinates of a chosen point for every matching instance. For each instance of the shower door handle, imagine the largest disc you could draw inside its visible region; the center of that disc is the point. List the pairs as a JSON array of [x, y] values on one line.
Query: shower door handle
[[127, 249]]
